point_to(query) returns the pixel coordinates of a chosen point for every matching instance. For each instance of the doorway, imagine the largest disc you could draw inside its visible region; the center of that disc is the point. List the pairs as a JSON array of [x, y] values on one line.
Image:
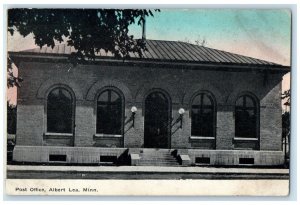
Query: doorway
[[157, 120]]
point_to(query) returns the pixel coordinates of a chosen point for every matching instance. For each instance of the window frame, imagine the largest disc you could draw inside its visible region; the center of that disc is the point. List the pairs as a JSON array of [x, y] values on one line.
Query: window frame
[[256, 109], [119, 92], [73, 99], [214, 110]]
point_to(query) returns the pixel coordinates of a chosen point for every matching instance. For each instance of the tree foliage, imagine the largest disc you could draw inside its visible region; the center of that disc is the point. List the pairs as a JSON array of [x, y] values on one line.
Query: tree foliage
[[87, 30], [199, 41], [12, 80], [286, 123], [11, 118], [286, 95]]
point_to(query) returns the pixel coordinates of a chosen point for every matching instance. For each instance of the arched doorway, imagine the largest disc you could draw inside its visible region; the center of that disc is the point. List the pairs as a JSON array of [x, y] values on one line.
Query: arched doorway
[[157, 120]]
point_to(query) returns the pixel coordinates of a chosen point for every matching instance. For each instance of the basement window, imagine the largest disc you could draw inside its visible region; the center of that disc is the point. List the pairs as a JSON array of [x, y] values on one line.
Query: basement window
[[246, 160], [202, 160], [57, 158], [108, 159]]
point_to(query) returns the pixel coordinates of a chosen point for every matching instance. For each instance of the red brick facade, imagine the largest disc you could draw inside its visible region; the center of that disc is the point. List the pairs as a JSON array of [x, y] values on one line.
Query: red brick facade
[[135, 82]]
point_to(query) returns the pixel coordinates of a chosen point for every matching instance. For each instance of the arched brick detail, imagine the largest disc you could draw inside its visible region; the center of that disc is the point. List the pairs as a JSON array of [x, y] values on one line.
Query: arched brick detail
[[144, 90], [51, 83], [205, 92], [237, 93], [203, 87], [94, 89]]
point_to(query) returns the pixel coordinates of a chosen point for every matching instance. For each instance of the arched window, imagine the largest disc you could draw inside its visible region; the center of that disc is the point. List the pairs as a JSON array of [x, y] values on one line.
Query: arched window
[[109, 113], [60, 111], [246, 117], [202, 115]]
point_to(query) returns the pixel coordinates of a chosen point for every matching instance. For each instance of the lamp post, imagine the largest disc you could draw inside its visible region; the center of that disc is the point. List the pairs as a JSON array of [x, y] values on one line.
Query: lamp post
[[133, 111], [181, 111]]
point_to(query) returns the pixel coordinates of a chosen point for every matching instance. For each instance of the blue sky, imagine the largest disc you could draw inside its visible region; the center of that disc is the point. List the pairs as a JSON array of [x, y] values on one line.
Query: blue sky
[[259, 33]]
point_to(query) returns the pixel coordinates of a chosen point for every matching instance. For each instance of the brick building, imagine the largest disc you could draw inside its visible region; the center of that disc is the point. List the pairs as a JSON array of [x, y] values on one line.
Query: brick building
[[179, 104]]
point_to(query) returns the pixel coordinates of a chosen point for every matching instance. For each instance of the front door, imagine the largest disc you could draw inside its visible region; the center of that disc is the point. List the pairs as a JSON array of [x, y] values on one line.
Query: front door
[[157, 121]]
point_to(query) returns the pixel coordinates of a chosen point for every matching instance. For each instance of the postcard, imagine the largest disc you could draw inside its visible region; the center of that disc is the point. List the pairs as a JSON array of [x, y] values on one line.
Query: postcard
[[132, 102]]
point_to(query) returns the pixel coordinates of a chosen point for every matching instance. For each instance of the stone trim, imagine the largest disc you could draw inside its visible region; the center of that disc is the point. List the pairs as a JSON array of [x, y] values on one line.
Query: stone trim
[[205, 88], [69, 84], [99, 85], [147, 89]]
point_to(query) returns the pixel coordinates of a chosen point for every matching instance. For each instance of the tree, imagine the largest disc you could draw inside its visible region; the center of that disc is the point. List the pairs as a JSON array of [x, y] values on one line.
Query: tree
[[286, 124], [286, 95], [12, 80], [87, 30], [11, 118], [286, 121]]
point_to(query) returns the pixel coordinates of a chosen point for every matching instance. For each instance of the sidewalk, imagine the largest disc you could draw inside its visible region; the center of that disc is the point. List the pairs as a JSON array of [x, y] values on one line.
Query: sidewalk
[[141, 172], [146, 169]]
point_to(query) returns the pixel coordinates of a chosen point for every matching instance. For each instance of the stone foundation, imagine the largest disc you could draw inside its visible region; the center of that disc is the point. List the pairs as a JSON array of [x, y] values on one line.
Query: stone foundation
[[94, 155]]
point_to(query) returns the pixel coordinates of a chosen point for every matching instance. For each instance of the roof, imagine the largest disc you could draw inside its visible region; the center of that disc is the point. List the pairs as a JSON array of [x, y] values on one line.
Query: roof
[[170, 51]]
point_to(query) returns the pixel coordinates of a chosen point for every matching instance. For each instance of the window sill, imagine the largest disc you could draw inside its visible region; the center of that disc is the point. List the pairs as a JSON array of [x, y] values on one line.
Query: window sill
[[247, 149], [245, 139], [58, 134], [107, 136], [202, 138]]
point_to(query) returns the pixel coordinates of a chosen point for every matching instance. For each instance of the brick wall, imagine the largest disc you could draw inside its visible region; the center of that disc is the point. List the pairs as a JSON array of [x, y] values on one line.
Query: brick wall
[[135, 82]]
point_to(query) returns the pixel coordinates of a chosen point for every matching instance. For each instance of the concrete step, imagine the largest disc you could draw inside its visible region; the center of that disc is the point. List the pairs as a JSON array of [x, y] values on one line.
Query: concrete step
[[157, 157], [165, 153], [154, 162], [160, 161], [169, 153], [158, 164], [156, 151]]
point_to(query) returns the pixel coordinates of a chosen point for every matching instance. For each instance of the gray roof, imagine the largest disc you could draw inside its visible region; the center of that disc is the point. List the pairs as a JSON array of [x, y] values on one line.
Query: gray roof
[[171, 51]]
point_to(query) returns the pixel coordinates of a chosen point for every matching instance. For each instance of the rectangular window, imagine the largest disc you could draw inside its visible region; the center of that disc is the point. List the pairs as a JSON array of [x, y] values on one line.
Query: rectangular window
[[108, 159], [57, 158], [246, 160], [202, 160]]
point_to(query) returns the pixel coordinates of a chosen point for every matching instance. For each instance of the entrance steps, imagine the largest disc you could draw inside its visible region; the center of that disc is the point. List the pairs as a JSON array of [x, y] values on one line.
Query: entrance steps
[[157, 157]]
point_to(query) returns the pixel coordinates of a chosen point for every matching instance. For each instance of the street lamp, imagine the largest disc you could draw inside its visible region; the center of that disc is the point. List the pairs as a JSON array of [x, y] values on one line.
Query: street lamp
[[133, 111], [181, 111]]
